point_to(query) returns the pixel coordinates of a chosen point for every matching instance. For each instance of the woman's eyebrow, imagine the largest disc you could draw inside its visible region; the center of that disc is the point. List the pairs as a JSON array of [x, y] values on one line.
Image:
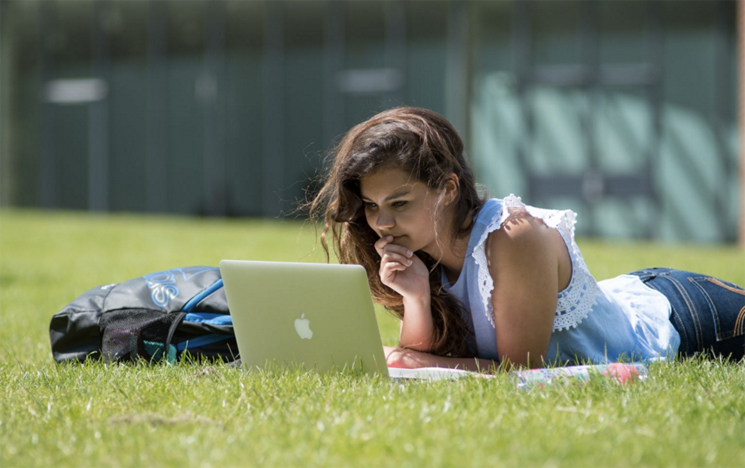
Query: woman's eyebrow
[[394, 195]]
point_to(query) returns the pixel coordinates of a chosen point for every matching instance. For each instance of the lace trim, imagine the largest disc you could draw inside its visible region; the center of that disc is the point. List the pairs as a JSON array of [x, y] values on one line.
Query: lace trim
[[576, 301]]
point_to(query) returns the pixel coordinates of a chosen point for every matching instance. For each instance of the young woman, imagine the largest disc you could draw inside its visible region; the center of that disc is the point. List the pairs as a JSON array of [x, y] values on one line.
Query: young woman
[[480, 282]]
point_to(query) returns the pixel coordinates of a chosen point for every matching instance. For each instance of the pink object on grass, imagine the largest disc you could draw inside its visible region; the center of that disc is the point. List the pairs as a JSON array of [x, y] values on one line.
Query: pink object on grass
[[622, 373]]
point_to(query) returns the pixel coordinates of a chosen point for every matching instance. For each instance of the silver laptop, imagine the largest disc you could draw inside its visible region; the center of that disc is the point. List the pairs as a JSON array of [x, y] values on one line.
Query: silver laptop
[[311, 315]]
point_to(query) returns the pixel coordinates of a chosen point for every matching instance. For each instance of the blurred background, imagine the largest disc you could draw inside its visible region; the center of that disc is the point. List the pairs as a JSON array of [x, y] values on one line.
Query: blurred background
[[625, 111]]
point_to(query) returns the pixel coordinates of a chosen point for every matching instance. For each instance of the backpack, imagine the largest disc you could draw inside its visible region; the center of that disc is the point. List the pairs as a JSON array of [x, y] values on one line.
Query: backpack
[[165, 315]]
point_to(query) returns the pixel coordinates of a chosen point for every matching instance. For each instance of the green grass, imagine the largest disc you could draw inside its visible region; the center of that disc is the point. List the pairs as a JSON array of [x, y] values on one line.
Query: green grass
[[685, 414]]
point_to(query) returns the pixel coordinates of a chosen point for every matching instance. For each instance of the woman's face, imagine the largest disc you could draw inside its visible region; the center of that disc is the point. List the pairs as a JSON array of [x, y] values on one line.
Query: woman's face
[[398, 205]]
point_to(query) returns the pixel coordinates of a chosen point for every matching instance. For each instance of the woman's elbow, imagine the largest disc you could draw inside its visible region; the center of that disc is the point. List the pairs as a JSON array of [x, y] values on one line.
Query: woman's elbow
[[394, 357]]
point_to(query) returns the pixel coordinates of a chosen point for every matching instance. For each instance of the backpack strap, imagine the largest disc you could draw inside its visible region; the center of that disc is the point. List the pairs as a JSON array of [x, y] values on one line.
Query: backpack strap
[[188, 307], [176, 322]]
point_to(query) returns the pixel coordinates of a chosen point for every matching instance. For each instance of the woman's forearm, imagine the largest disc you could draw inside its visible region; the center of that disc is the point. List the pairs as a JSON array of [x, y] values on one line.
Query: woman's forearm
[[409, 358], [417, 328]]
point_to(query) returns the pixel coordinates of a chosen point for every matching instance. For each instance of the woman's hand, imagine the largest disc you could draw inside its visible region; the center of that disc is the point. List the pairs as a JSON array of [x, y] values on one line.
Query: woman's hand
[[406, 273], [402, 270]]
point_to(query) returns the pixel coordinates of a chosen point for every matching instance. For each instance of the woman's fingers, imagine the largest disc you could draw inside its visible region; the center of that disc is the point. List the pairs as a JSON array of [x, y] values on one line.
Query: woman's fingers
[[395, 260], [381, 243], [394, 257], [388, 271], [390, 266], [384, 244], [392, 262]]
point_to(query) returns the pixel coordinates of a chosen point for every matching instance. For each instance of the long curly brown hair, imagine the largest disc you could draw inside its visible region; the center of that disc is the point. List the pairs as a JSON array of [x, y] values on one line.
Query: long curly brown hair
[[424, 144]]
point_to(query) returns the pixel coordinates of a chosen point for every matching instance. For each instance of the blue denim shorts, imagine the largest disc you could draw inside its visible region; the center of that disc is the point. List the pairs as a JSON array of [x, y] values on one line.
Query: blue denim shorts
[[708, 313]]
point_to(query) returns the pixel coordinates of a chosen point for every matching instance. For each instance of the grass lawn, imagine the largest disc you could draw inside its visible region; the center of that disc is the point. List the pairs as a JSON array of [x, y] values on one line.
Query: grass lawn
[[684, 414]]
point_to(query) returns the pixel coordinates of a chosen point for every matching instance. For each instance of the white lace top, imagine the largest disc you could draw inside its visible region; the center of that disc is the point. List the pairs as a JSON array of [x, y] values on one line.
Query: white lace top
[[594, 321]]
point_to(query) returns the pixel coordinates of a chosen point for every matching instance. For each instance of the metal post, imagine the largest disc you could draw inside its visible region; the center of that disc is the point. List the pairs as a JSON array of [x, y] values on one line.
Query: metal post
[[457, 65], [395, 48], [741, 113], [655, 59], [273, 107], [4, 154], [212, 90], [98, 116], [157, 109], [333, 63], [49, 193], [720, 120], [593, 179], [523, 58], [7, 78]]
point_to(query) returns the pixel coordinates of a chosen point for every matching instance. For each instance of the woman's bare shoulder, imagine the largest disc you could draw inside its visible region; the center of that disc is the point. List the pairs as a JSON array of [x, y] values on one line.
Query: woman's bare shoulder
[[525, 243], [519, 231]]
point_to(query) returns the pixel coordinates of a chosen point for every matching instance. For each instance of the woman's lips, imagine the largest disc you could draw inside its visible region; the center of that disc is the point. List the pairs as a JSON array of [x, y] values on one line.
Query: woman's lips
[[395, 238]]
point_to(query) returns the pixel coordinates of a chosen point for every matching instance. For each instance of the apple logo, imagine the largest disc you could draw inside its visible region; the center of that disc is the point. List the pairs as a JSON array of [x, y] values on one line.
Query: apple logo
[[302, 327]]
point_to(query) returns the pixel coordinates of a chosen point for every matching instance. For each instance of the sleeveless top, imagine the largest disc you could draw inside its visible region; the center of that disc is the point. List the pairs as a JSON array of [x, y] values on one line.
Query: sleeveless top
[[599, 322]]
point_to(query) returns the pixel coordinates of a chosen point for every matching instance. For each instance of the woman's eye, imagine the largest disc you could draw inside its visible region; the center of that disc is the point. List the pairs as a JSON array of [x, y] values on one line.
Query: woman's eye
[[399, 204], [369, 205]]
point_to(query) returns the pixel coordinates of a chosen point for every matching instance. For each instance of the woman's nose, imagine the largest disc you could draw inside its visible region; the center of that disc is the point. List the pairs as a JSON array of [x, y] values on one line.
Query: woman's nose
[[384, 221]]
